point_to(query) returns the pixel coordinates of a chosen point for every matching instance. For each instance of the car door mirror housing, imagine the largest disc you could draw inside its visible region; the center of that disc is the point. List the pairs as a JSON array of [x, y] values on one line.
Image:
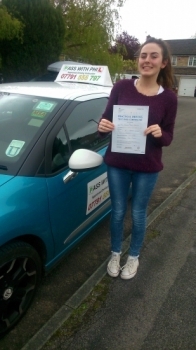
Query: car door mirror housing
[[84, 159]]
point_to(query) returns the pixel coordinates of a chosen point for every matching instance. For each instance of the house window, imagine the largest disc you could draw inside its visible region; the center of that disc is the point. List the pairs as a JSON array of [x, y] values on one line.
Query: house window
[[174, 61], [192, 61]]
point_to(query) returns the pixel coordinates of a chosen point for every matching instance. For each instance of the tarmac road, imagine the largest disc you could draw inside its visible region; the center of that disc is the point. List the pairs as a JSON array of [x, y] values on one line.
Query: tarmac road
[[64, 281]]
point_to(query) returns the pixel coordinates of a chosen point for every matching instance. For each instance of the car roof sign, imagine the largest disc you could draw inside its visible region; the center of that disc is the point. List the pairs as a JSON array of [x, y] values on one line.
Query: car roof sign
[[96, 75]]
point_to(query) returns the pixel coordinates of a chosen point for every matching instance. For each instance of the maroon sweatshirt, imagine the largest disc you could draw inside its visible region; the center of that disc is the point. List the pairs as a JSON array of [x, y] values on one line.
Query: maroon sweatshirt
[[162, 111]]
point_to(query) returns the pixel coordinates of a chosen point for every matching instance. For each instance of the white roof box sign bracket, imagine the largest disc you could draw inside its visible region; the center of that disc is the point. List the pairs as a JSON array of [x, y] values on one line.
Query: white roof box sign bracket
[[97, 75]]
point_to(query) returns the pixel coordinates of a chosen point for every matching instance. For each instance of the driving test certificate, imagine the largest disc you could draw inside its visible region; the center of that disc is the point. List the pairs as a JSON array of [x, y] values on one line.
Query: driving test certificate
[[128, 134]]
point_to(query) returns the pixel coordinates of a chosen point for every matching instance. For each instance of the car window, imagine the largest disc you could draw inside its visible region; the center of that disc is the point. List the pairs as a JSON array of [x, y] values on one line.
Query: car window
[[82, 125], [82, 129], [22, 120], [60, 151]]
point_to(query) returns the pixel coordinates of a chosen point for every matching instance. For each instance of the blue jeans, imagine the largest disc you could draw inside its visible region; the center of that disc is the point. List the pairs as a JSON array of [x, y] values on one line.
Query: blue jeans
[[142, 186]]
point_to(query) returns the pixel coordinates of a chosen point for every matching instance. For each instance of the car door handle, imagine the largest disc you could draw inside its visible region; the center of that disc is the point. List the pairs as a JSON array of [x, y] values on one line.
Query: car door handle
[[69, 176]]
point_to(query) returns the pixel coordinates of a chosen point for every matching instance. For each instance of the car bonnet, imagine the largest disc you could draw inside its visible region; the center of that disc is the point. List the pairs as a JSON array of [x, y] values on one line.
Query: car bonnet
[[5, 178]]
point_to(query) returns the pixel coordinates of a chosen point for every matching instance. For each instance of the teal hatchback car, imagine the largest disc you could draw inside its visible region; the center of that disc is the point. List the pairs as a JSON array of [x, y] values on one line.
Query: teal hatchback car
[[53, 183]]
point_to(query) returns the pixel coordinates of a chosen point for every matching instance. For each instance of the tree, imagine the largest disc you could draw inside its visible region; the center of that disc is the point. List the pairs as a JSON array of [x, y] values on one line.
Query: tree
[[43, 35], [130, 66], [126, 45], [10, 27], [89, 31]]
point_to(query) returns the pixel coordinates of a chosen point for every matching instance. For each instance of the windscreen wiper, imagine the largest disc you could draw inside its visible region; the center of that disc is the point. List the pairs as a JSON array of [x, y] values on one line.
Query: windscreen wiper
[[3, 167]]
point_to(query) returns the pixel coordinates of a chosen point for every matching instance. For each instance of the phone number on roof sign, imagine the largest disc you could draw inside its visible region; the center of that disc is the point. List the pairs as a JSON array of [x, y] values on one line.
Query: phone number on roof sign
[[83, 77]]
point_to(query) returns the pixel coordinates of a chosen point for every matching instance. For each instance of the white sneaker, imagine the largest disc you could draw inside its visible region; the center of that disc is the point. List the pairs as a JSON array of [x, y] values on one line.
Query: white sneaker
[[129, 270], [113, 268]]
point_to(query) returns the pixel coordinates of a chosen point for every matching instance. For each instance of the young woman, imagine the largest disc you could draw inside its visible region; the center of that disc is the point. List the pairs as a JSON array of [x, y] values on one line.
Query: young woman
[[152, 89]]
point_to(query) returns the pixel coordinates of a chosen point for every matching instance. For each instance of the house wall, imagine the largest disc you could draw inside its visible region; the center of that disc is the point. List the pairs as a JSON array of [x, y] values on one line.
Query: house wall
[[185, 75]]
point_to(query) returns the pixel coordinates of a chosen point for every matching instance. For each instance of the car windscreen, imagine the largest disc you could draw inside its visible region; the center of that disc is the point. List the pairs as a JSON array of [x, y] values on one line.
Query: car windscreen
[[22, 121]]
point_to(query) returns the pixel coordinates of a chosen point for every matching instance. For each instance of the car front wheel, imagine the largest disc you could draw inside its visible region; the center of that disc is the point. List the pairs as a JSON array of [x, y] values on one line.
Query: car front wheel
[[20, 272]]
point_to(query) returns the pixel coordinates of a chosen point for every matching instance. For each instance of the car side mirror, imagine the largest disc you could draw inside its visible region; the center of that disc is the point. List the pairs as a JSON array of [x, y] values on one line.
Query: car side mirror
[[84, 159]]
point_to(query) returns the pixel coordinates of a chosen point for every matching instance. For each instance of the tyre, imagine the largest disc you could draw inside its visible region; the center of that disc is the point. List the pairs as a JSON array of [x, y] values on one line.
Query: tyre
[[20, 272]]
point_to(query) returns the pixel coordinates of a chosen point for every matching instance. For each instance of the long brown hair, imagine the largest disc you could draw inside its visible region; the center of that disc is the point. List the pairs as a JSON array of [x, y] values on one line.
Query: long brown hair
[[165, 77]]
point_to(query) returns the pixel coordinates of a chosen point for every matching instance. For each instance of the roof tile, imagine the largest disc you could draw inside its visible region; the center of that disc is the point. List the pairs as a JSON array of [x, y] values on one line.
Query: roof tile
[[182, 47]]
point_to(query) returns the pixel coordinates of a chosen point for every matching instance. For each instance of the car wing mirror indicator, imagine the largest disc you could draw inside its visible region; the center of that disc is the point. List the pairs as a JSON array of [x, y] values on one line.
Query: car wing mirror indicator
[[84, 159]]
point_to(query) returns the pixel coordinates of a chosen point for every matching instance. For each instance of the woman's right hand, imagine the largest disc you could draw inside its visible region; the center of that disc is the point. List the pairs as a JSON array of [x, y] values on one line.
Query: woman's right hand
[[105, 126]]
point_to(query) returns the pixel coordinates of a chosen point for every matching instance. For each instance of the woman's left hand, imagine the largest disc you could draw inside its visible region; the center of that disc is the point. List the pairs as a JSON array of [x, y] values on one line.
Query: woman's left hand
[[155, 130]]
